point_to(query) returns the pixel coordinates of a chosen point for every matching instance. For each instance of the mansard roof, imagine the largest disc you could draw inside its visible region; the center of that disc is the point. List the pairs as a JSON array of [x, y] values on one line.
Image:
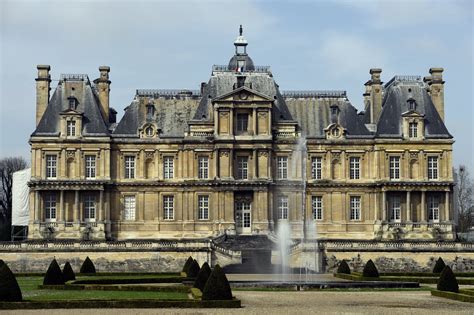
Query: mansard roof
[[93, 123], [397, 92]]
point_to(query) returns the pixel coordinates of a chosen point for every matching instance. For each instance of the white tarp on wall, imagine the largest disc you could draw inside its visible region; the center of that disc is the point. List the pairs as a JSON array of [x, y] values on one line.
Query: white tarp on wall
[[20, 197]]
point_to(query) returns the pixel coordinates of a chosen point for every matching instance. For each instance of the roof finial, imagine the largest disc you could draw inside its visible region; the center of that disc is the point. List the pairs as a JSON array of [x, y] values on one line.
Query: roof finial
[[240, 30]]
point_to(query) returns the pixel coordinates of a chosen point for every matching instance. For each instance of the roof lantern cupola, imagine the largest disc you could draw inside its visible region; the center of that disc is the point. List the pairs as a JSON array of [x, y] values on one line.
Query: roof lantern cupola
[[241, 62]]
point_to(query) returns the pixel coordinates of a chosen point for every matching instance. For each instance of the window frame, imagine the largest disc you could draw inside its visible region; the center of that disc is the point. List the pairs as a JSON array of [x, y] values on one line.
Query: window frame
[[394, 169], [168, 207], [168, 167], [354, 167], [282, 166], [283, 207], [432, 170], [355, 208], [50, 207], [203, 207], [203, 167], [89, 206], [413, 132], [317, 208], [241, 123], [129, 212], [241, 168], [51, 166], [130, 163], [71, 128], [89, 168], [316, 167], [395, 206]]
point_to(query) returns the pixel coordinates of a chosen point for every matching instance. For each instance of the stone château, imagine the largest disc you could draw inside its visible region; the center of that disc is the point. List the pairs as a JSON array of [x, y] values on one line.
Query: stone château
[[238, 156]]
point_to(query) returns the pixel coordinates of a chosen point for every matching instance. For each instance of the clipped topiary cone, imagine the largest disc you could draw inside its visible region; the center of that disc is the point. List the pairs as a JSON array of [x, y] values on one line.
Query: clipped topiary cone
[[217, 286], [439, 266], [68, 273], [447, 281], [344, 267], [193, 269], [202, 276], [87, 266], [54, 275], [187, 264], [370, 270], [9, 289]]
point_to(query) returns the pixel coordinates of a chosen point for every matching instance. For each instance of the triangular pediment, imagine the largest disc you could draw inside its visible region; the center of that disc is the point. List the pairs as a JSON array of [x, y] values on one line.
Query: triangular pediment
[[71, 112], [243, 93], [412, 113]]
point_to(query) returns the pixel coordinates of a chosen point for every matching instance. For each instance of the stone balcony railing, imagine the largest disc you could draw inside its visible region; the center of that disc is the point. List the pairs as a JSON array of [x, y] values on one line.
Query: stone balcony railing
[[422, 246]]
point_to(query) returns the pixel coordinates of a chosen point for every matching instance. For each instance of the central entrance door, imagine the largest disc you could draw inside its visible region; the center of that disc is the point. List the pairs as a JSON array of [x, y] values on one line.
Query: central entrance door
[[243, 216]]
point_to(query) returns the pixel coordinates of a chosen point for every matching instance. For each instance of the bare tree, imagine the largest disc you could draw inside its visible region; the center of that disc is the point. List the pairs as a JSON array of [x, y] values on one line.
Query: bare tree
[[8, 166], [464, 198]]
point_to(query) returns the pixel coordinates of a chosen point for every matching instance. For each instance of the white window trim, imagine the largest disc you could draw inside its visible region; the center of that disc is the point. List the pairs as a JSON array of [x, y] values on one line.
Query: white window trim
[[282, 167], [90, 204], [51, 168], [283, 208], [357, 211], [129, 169], [203, 167], [317, 205], [203, 207], [168, 207], [50, 204], [240, 169], [393, 171], [432, 170], [433, 207], [354, 168], [89, 168], [168, 167], [128, 202], [316, 167], [395, 204]]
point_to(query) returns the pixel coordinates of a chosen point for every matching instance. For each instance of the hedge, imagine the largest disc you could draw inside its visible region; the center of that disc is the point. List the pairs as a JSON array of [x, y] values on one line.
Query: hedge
[[202, 276], [217, 286], [87, 266], [54, 275], [9, 289], [68, 273]]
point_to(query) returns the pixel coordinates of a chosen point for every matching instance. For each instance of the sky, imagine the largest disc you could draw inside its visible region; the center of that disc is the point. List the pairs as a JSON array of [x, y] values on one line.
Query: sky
[[310, 45]]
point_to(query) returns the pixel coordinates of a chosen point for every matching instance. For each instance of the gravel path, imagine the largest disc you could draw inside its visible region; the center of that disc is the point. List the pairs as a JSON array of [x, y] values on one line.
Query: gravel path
[[271, 303]]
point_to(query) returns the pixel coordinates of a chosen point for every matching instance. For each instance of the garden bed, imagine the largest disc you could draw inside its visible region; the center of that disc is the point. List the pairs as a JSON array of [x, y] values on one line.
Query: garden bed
[[463, 295], [421, 279]]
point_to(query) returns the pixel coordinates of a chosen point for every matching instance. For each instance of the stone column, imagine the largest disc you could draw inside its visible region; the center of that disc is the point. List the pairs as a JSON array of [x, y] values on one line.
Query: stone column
[[101, 205], [37, 206], [408, 219], [446, 207], [254, 164], [384, 206], [76, 206], [254, 121], [231, 122], [423, 206], [61, 206]]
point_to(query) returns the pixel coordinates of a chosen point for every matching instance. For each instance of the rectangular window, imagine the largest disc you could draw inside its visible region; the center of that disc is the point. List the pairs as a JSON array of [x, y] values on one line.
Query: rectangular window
[[395, 209], [168, 167], [433, 209], [242, 167], [129, 208], [50, 207], [354, 168], [242, 122], [203, 167], [316, 168], [283, 208], [282, 167], [432, 167], [129, 167], [203, 207], [317, 206], [89, 208], [413, 130], [394, 167], [168, 207], [90, 166], [355, 208], [51, 166], [71, 128]]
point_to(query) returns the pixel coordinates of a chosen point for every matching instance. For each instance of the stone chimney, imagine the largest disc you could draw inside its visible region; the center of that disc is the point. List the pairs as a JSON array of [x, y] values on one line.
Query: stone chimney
[[375, 88], [437, 90], [103, 86], [42, 90]]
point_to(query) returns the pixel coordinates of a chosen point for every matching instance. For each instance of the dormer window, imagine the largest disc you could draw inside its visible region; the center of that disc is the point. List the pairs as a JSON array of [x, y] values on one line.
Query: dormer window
[[150, 110], [334, 110], [411, 104], [71, 128], [72, 102], [335, 132], [149, 131], [413, 130]]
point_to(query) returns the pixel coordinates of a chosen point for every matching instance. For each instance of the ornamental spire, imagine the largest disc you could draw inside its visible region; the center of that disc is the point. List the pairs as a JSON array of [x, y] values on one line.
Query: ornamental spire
[[240, 30]]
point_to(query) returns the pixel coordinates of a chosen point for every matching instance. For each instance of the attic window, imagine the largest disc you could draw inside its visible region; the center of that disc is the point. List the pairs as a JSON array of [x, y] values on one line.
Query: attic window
[[149, 131], [335, 132], [334, 109], [72, 103], [150, 110], [411, 104]]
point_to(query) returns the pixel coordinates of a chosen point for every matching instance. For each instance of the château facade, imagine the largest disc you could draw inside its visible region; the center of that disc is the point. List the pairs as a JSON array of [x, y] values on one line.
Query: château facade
[[239, 156]]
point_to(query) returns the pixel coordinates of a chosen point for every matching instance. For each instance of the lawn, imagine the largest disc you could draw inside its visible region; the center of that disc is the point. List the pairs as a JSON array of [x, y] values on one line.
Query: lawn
[[29, 288]]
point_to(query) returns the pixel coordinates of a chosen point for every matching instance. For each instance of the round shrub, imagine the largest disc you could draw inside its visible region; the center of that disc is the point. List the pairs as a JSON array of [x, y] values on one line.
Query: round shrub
[[439, 266], [9, 289], [187, 264], [54, 275], [370, 270], [193, 269], [217, 286], [68, 273], [202, 276], [344, 267], [87, 266], [447, 281]]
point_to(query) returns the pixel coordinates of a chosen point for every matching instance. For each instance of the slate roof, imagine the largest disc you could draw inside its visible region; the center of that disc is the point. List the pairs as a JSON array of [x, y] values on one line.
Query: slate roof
[[397, 92], [93, 123]]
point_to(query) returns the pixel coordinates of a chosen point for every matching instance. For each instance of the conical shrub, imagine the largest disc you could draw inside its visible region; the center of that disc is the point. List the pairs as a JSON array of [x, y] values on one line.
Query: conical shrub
[[370, 270], [217, 286], [87, 266], [187, 264], [68, 273], [447, 281], [344, 267], [9, 288], [193, 269], [439, 266], [54, 275], [202, 276]]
